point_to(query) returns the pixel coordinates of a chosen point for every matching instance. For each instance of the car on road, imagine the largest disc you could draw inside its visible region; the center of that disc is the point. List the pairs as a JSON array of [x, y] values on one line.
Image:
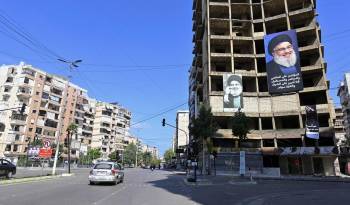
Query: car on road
[[110, 172], [7, 169]]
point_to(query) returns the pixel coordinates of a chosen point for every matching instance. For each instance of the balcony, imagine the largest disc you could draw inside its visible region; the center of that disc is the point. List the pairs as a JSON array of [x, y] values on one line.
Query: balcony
[[18, 119], [56, 91], [28, 72], [23, 92]]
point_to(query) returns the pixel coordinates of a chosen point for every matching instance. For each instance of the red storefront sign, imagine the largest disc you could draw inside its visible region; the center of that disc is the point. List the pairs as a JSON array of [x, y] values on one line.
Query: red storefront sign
[[45, 152]]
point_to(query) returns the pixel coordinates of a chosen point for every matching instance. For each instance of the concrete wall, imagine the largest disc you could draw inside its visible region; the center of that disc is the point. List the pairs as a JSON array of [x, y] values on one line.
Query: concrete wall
[[328, 166]]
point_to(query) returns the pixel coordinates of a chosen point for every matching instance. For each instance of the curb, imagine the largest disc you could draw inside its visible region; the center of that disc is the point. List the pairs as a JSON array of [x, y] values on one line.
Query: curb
[[29, 179], [67, 175], [32, 179], [303, 179], [242, 183], [198, 183]]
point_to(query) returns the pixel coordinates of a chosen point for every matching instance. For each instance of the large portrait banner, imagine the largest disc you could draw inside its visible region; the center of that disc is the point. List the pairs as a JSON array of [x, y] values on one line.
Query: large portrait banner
[[233, 89], [283, 62]]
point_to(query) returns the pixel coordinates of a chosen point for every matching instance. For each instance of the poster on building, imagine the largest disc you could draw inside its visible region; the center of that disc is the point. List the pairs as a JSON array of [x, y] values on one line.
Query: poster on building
[[283, 62], [312, 125], [233, 89]]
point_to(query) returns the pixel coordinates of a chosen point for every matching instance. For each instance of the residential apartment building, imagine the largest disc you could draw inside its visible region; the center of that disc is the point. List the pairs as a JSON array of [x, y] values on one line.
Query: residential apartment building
[[53, 103], [229, 39], [181, 133], [46, 97], [111, 126], [344, 94], [339, 126], [151, 149]]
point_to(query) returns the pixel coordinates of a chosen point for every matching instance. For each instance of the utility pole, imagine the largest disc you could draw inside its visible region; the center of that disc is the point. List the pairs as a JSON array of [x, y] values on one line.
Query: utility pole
[[72, 65], [136, 156]]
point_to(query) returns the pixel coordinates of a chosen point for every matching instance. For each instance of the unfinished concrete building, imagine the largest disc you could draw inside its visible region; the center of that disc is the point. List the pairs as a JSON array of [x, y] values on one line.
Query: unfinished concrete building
[[229, 38]]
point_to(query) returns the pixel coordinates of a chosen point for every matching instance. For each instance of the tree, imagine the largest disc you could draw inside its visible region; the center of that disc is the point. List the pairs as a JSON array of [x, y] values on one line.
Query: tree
[[147, 158], [114, 156], [130, 154], [202, 129], [240, 126], [36, 143], [168, 155], [90, 156], [72, 128], [94, 153]]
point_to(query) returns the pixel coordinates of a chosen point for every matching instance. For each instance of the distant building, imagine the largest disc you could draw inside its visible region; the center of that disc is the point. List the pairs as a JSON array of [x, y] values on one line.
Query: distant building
[[339, 126], [181, 133], [111, 126], [344, 94]]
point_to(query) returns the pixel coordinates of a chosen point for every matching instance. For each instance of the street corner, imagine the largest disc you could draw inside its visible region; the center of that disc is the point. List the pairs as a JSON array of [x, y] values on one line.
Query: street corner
[[27, 180]]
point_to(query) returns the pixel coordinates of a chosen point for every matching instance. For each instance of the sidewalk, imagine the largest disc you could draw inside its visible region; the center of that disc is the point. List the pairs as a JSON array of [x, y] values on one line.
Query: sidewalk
[[247, 180]]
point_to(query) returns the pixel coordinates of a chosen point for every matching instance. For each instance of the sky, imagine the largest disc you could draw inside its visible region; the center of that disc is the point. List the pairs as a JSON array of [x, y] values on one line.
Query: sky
[[137, 53]]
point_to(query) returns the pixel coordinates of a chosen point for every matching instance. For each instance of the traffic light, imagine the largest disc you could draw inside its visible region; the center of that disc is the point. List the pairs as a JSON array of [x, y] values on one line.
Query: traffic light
[[163, 122], [23, 108]]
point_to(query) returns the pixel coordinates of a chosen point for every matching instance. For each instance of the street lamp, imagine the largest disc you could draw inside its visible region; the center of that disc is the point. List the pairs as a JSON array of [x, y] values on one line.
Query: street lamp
[[72, 65]]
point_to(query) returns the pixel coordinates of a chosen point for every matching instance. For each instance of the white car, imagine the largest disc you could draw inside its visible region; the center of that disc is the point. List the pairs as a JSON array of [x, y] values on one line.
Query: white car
[[106, 172]]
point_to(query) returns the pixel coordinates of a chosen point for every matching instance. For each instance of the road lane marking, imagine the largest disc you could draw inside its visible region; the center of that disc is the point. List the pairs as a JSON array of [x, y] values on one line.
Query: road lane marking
[[108, 196]]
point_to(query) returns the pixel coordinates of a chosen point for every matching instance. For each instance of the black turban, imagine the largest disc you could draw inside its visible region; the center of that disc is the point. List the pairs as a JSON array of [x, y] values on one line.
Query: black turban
[[234, 78], [277, 40]]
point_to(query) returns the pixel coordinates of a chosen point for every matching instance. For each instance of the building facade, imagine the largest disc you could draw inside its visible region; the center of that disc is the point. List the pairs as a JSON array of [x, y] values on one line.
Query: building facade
[[53, 103], [181, 133], [111, 125], [229, 39], [339, 128], [51, 106], [344, 95]]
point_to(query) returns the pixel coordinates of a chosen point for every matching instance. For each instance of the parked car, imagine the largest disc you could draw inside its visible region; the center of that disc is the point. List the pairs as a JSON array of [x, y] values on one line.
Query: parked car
[[7, 169], [106, 172]]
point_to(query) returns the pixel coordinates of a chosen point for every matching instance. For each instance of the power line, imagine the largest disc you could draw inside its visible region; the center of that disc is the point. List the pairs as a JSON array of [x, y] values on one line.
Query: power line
[[22, 58], [158, 114], [127, 70], [24, 44], [133, 66], [12, 25]]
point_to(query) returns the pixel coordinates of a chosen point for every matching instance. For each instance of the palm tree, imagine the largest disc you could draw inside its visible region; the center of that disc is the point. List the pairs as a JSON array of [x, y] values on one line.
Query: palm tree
[[72, 129], [203, 128]]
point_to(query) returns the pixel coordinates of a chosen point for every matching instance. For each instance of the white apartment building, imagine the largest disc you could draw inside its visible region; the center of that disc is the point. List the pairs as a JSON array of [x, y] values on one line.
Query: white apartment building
[[182, 133], [111, 125], [151, 149]]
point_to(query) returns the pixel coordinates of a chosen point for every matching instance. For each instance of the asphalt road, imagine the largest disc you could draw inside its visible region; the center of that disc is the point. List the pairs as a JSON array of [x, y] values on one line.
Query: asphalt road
[[143, 187]]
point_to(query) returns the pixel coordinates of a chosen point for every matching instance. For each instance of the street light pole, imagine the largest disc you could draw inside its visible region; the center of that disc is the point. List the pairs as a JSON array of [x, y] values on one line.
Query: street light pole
[[72, 64]]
